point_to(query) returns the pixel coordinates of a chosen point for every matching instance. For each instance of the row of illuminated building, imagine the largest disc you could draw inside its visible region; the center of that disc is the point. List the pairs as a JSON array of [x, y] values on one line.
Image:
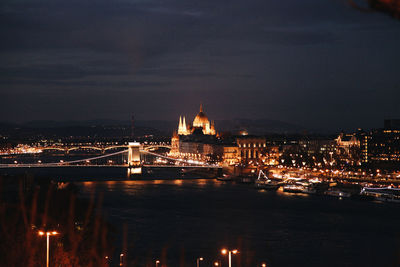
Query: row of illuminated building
[[230, 151], [380, 148]]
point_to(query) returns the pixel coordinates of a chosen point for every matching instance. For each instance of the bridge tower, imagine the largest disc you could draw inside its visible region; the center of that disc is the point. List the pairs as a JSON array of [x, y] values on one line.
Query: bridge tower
[[134, 154]]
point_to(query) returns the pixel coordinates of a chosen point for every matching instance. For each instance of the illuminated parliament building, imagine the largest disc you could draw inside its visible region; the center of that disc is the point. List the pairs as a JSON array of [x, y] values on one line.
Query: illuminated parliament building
[[196, 141], [200, 122], [200, 141]]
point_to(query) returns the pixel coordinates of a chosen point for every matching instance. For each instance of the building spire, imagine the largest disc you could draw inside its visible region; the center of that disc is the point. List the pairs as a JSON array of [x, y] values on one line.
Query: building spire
[[201, 107], [184, 123], [180, 125]]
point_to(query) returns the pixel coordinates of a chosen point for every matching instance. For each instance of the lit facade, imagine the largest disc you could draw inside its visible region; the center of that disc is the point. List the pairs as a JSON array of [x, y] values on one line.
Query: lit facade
[[347, 141], [197, 141], [381, 148], [201, 121], [251, 148], [230, 155]]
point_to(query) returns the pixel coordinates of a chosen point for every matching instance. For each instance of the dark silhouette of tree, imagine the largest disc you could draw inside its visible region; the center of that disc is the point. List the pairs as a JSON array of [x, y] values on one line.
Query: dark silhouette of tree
[[84, 237]]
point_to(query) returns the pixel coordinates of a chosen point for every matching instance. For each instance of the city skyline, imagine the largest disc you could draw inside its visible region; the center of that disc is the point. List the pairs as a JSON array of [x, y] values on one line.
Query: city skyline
[[199, 133]]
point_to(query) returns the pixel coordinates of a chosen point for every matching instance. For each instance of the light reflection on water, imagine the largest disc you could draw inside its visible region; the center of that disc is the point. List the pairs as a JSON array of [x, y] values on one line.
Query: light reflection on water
[[202, 216]]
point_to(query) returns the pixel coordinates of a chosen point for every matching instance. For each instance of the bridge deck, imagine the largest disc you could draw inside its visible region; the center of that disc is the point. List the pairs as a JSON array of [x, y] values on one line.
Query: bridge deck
[[8, 166]]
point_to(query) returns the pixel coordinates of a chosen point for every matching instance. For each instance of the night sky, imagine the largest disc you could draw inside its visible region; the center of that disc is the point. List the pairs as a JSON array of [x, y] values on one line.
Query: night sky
[[316, 63]]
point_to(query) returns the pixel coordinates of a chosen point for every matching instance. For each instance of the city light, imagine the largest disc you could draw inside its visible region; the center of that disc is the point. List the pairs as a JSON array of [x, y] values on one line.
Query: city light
[[198, 261], [229, 252], [121, 259], [48, 234]]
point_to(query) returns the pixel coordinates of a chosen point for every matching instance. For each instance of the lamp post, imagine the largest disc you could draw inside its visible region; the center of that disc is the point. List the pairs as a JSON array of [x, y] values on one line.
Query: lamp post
[[198, 261], [157, 262], [48, 234], [121, 259], [229, 252]]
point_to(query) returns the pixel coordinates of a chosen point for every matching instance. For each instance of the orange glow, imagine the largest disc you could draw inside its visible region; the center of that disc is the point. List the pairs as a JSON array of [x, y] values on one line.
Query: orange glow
[[235, 251], [178, 182], [54, 233], [216, 263], [41, 233], [224, 251]]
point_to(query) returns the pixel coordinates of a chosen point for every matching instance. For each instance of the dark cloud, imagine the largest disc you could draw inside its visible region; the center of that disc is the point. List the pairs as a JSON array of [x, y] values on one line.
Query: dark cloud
[[310, 62]]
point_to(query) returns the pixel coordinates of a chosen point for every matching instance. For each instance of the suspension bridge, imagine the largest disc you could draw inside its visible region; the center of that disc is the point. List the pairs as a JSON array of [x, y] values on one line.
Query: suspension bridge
[[133, 150]]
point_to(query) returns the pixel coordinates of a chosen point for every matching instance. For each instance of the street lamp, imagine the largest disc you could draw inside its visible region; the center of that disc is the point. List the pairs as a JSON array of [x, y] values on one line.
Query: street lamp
[[121, 259], [48, 234], [217, 264], [229, 252], [157, 262], [198, 261], [263, 264]]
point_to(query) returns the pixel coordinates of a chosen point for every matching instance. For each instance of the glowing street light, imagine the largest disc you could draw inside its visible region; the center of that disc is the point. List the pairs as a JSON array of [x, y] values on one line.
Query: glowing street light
[[198, 261], [263, 264], [217, 263], [157, 263], [48, 234], [229, 252], [121, 259]]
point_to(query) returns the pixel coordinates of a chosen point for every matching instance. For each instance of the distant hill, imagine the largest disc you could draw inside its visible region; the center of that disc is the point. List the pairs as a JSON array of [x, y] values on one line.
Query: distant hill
[[120, 128], [79, 129], [259, 127]]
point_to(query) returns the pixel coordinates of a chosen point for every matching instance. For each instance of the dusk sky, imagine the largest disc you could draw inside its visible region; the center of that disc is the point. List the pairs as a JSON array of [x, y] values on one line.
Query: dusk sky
[[316, 63]]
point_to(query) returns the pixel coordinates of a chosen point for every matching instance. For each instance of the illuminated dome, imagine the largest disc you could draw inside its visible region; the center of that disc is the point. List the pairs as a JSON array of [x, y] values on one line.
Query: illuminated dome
[[201, 119], [200, 123]]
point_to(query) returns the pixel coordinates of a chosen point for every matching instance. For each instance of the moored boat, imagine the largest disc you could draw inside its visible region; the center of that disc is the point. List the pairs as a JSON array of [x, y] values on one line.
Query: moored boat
[[385, 194], [388, 198], [263, 182], [225, 178], [309, 190], [335, 192], [293, 188]]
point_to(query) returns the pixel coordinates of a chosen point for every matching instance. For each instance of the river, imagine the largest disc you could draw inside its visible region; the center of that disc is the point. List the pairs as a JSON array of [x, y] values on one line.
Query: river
[[177, 221]]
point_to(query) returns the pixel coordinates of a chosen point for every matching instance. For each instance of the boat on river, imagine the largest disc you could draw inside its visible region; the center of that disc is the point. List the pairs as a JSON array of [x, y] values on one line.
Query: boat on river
[[385, 194], [263, 182], [225, 178], [336, 192], [293, 188]]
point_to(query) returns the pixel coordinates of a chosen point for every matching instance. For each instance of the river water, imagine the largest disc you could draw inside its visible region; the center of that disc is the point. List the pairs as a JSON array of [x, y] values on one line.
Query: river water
[[177, 221]]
